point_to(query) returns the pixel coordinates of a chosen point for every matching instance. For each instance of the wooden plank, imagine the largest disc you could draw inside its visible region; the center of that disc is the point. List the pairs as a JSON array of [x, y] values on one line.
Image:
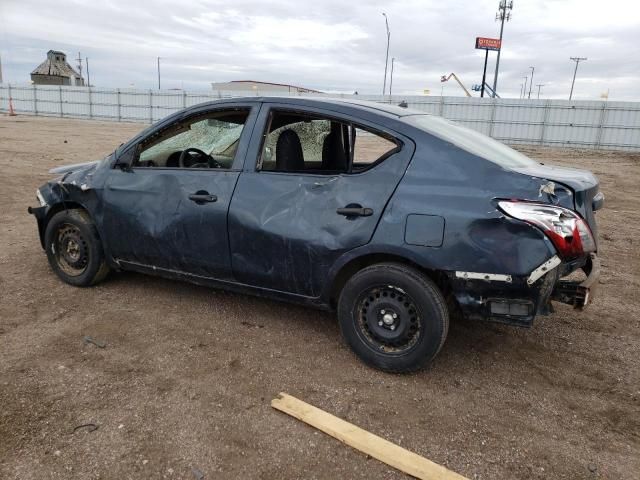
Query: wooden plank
[[366, 442]]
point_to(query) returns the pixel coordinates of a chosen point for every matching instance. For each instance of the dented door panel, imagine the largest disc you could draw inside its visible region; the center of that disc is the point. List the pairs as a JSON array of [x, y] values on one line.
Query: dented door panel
[[150, 220], [284, 229]]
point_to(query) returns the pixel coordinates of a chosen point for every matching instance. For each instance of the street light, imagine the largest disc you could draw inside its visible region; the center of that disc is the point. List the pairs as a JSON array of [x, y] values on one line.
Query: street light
[[539, 85], [393, 59], [386, 62], [533, 69], [524, 92], [577, 60], [158, 73]]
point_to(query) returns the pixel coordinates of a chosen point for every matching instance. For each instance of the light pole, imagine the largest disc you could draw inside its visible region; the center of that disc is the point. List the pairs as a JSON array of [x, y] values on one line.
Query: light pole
[[158, 73], [393, 59], [503, 15], [524, 92], [539, 85], [521, 85], [386, 62], [533, 69], [577, 60]]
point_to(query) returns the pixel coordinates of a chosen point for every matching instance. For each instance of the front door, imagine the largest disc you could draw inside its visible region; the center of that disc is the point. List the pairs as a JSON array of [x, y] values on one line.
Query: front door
[[169, 210], [317, 190]]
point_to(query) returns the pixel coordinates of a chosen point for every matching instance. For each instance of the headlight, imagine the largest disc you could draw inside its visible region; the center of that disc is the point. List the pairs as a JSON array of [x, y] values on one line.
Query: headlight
[[40, 198]]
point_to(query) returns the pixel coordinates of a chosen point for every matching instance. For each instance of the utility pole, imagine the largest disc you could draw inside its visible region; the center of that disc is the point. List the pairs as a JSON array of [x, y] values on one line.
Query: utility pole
[[386, 62], [577, 60], [484, 72], [524, 92], [533, 69], [158, 73], [393, 59], [539, 85], [80, 66], [504, 14], [86, 62]]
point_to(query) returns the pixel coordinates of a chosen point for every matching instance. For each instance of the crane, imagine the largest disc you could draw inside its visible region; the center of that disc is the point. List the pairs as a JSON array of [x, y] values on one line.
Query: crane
[[444, 78]]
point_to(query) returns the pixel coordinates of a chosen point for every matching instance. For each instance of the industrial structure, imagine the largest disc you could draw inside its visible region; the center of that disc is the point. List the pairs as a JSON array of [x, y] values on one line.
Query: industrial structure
[[56, 71], [256, 86]]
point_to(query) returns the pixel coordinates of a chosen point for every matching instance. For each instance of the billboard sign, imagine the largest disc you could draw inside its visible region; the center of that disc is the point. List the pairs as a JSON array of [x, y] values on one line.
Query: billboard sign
[[483, 43]]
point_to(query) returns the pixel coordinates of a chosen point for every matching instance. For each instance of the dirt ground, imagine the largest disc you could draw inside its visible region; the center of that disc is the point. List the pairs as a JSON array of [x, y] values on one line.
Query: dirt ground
[[187, 374]]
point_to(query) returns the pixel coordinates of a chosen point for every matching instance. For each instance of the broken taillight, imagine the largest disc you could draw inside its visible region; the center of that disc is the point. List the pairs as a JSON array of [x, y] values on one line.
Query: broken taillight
[[569, 233]]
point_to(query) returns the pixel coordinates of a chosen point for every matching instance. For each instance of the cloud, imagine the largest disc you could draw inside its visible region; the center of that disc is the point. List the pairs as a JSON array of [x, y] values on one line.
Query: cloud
[[329, 45]]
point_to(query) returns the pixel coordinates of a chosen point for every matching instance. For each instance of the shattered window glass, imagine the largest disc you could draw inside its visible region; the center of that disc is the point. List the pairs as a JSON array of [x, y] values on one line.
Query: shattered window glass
[[217, 137], [326, 145], [311, 133]]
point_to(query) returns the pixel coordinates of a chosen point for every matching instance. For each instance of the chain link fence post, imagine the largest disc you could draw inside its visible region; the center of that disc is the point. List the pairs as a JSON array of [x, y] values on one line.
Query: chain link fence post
[[118, 102], [545, 120], [60, 99], [35, 100], [150, 106]]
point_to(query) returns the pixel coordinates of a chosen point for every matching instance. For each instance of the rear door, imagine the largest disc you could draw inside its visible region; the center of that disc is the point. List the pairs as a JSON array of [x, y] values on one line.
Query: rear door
[[289, 219], [171, 214]]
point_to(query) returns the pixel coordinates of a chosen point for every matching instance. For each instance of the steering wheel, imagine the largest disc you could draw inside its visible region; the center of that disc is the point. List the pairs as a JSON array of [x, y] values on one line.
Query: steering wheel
[[209, 161]]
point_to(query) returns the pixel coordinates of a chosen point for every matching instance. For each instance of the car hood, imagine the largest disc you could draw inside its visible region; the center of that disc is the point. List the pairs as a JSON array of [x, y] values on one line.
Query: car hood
[[74, 168]]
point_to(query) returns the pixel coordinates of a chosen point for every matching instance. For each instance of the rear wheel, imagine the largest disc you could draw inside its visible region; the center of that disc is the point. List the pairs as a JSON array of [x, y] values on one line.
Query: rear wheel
[[74, 249], [393, 317]]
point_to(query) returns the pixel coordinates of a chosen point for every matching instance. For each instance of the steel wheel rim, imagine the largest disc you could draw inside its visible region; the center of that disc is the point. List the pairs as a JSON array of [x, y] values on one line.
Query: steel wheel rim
[[388, 320], [70, 250]]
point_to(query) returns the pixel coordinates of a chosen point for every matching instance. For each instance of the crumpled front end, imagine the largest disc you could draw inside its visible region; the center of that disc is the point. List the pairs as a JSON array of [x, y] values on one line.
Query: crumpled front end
[[73, 187]]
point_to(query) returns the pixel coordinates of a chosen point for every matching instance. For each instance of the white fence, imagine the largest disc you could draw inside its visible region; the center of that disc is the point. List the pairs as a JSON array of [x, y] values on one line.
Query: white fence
[[581, 124]]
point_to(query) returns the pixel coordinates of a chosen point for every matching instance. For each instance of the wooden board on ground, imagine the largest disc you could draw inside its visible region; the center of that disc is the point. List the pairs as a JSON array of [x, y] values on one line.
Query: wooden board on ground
[[366, 442]]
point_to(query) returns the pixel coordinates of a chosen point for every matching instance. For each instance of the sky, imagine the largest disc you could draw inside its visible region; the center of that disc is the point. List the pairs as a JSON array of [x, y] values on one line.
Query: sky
[[331, 45]]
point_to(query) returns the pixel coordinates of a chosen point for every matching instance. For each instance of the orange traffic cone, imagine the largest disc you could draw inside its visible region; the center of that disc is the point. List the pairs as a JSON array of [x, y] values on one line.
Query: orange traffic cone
[[12, 112]]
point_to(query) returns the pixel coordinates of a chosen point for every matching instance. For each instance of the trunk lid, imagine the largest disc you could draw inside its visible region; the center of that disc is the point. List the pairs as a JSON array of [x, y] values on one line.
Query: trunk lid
[[584, 185]]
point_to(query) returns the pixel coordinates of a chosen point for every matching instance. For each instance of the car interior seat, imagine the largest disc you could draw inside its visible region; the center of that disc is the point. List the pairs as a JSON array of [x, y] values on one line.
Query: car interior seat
[[333, 154], [289, 155]]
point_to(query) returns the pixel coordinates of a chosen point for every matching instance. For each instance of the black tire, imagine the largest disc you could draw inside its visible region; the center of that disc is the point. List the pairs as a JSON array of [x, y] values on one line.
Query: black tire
[[74, 249], [393, 317]]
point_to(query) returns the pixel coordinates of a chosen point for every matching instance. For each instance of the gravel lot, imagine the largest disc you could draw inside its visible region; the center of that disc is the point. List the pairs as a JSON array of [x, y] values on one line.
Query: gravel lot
[[187, 375]]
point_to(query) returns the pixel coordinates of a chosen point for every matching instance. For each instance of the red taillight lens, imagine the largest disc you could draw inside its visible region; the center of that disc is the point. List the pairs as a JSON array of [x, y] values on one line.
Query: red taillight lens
[[566, 229]]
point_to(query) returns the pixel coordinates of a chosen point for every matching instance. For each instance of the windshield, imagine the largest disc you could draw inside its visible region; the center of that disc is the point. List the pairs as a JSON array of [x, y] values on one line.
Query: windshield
[[471, 141]]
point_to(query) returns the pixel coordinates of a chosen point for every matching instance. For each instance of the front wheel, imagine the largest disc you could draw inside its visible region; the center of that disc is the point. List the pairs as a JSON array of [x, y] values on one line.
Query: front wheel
[[74, 249], [393, 317]]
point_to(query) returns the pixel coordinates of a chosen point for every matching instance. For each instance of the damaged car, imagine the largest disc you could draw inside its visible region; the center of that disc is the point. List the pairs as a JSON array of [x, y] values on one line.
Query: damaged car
[[394, 219]]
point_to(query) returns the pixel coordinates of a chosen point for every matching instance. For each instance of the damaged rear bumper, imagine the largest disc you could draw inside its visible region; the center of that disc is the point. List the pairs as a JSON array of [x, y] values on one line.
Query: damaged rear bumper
[[518, 300], [579, 294]]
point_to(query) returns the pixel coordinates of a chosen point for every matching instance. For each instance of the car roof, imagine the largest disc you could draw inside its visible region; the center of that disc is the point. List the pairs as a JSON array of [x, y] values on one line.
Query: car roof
[[362, 105]]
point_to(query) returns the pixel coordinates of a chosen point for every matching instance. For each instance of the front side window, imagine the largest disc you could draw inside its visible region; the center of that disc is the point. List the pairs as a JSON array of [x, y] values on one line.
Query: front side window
[[296, 142], [206, 141]]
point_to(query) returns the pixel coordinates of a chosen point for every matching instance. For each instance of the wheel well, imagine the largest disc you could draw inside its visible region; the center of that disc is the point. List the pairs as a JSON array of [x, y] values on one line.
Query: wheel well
[[357, 264], [58, 207]]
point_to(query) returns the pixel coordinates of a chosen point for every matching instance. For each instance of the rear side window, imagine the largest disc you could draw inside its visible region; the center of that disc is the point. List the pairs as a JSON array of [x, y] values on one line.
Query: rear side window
[[369, 148], [473, 142], [297, 142]]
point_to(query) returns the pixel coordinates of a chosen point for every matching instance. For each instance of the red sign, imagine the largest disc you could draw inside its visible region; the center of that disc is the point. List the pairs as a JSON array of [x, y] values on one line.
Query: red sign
[[487, 43]]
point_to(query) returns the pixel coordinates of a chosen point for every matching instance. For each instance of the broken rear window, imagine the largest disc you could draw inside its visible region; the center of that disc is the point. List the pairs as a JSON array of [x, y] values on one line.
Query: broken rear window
[[471, 141]]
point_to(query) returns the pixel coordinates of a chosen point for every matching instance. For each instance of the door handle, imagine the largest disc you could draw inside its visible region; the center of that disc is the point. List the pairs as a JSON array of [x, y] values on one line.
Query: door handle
[[355, 212], [202, 198]]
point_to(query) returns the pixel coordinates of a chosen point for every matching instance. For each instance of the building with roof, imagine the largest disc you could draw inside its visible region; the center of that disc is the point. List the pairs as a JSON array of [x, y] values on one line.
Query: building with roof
[[56, 71], [255, 86]]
